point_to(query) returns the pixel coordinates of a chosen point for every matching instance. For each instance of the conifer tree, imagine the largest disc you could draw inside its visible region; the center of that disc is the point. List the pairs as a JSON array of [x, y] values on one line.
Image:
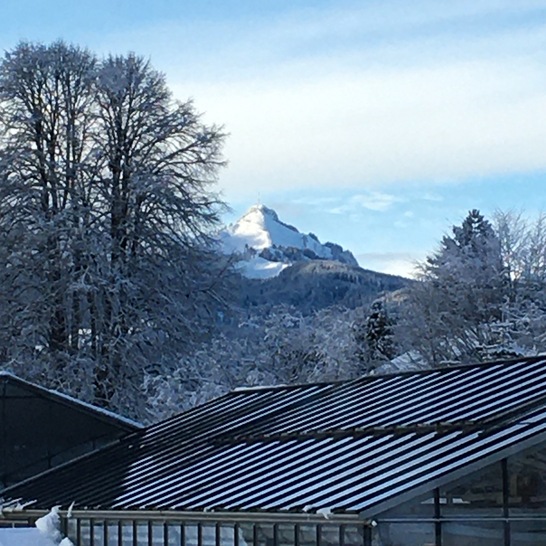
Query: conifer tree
[[379, 333], [463, 288]]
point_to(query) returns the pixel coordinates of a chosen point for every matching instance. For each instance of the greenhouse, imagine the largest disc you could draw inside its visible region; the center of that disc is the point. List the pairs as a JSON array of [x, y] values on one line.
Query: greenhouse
[[452, 456]]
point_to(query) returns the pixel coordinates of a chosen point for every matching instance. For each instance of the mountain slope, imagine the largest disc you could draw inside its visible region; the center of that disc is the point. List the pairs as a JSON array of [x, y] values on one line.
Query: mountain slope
[[317, 284], [266, 246]]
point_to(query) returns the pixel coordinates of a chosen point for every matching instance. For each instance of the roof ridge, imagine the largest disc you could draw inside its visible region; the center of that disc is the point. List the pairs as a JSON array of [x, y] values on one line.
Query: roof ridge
[[372, 376], [71, 400], [439, 426]]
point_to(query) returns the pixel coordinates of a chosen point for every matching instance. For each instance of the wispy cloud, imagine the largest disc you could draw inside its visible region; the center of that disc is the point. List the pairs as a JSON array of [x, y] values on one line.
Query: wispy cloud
[[356, 94], [359, 107], [370, 200], [395, 263]]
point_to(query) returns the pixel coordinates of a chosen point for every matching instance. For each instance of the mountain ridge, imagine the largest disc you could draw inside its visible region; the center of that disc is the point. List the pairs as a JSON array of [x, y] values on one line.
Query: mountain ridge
[[279, 265], [317, 284], [265, 245]]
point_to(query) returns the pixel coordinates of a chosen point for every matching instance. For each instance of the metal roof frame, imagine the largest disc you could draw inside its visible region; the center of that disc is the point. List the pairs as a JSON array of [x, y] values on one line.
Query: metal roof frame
[[357, 447]]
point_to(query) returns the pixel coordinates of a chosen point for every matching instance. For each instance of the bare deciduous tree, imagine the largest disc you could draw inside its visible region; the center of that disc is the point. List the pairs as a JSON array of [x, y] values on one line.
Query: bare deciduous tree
[[106, 203]]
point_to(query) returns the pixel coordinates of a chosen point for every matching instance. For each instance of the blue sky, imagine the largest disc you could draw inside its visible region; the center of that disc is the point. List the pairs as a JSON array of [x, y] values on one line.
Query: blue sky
[[376, 124]]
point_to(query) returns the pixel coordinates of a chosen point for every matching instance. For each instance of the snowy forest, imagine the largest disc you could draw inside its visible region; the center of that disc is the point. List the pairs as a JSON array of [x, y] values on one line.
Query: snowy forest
[[112, 288]]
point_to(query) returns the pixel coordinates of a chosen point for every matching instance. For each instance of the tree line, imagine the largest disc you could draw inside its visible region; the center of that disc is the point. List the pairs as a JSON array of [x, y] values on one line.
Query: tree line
[[480, 296]]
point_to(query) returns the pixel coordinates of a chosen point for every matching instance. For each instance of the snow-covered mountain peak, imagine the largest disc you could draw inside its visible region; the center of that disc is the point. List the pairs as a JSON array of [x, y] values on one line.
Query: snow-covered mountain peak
[[260, 213], [261, 228], [267, 245]]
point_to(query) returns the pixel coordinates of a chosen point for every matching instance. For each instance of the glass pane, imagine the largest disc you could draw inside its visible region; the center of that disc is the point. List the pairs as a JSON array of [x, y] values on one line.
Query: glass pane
[[113, 532], [421, 507], [191, 533], [329, 535], [407, 534], [98, 533], [285, 535], [527, 533], [475, 533], [127, 533], [208, 535], [527, 482], [307, 535], [264, 535], [173, 534], [479, 494], [353, 535], [251, 534], [157, 533], [227, 535], [246, 533], [142, 532], [84, 531]]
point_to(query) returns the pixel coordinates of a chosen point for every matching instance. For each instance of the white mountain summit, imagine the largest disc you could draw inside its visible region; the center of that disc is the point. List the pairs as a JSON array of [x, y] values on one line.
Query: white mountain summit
[[265, 245]]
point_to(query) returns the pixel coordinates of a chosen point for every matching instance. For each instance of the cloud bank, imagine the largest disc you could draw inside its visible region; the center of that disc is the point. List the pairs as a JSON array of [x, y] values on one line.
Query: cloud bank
[[360, 98]]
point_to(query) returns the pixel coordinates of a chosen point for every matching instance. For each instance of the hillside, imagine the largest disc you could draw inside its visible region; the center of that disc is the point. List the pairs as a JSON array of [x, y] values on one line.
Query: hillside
[[279, 265], [317, 284]]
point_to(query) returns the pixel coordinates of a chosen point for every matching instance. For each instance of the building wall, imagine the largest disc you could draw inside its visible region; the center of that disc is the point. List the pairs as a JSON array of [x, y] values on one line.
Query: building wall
[[502, 504], [116, 532], [173, 528], [38, 432]]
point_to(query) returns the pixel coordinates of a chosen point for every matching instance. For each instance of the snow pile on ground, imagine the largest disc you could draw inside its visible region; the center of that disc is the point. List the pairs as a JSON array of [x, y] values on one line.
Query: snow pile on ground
[[46, 533], [50, 528], [24, 537], [50, 525]]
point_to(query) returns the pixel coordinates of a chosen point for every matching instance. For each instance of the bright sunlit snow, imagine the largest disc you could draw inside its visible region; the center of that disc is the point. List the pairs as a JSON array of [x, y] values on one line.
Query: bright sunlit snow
[[261, 228], [24, 537], [45, 533], [259, 268], [266, 245]]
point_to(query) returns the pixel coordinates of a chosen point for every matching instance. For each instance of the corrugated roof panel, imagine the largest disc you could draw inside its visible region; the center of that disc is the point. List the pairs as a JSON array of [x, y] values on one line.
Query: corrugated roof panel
[[323, 456], [348, 446], [437, 396]]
